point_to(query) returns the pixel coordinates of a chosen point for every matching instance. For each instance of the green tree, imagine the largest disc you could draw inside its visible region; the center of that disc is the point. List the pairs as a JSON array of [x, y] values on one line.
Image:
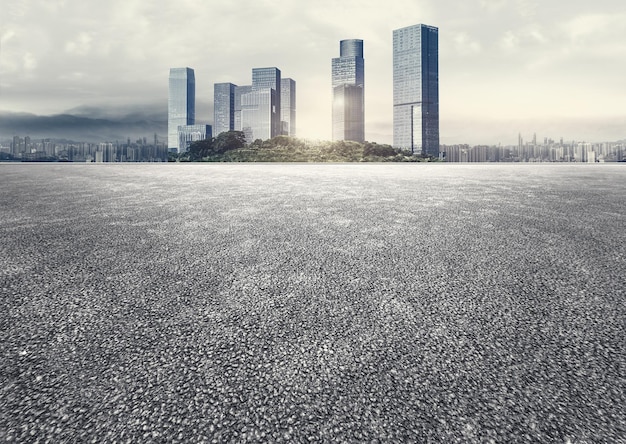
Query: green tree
[[258, 143], [229, 140], [373, 149], [201, 148]]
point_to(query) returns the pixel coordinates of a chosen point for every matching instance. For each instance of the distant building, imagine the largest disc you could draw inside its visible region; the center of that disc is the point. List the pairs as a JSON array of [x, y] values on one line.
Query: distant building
[[181, 103], [416, 89], [109, 153], [16, 145], [288, 106], [224, 107], [192, 133], [348, 83]]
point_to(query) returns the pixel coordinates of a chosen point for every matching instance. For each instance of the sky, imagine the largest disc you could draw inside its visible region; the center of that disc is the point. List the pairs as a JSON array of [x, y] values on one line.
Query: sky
[[554, 68]]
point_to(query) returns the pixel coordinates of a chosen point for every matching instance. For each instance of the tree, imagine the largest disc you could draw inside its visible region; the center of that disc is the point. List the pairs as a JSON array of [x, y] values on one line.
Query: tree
[[229, 140], [201, 148], [258, 143], [373, 149]]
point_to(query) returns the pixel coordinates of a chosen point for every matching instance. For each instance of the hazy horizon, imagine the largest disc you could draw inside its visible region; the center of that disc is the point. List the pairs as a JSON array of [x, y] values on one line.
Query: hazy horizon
[[505, 66]]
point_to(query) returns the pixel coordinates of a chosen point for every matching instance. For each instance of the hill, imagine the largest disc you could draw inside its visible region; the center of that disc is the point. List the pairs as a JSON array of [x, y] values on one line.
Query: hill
[[291, 149]]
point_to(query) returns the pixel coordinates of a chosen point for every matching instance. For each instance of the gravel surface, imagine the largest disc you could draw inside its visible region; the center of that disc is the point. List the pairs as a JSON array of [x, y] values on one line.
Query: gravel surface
[[325, 303]]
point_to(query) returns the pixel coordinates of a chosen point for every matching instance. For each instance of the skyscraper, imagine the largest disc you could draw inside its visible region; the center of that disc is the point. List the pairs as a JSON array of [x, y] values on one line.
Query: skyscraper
[[260, 108], [240, 91], [224, 107], [288, 107], [416, 89], [258, 114], [348, 82], [181, 104]]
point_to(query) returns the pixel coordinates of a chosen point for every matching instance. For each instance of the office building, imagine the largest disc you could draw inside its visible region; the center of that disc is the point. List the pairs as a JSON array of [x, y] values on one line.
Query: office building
[[181, 104], [416, 89], [259, 118], [260, 108], [192, 133], [224, 107], [348, 83], [239, 91], [288, 107]]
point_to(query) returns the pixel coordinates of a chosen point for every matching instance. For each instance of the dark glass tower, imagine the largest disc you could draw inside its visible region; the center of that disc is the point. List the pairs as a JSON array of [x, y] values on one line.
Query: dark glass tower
[[348, 82], [181, 103], [223, 107], [416, 89]]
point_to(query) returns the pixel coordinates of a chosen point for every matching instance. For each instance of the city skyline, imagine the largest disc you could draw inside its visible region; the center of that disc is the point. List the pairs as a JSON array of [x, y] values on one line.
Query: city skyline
[[507, 66], [256, 109]]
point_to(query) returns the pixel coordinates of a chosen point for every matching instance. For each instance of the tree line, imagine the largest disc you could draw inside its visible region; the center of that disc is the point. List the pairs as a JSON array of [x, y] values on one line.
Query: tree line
[[231, 146]]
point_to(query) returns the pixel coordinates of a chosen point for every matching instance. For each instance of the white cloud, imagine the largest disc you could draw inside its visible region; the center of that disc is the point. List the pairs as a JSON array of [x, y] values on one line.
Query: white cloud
[[15, 9], [465, 45], [80, 45], [537, 36], [509, 41], [7, 35], [29, 62], [600, 28], [493, 6], [527, 8]]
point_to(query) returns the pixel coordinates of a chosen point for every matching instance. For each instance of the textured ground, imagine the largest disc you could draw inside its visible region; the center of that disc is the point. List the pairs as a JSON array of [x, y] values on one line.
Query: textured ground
[[428, 303]]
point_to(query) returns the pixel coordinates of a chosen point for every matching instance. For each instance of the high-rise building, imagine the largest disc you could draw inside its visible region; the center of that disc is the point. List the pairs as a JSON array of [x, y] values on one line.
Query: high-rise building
[[224, 107], [181, 104], [416, 89], [288, 107], [109, 153], [260, 108], [15, 146], [192, 133], [258, 114], [239, 91], [348, 82]]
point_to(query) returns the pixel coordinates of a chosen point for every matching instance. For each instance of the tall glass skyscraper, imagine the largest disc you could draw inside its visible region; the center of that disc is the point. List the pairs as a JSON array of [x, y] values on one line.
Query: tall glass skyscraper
[[288, 107], [260, 108], [223, 107], [181, 103], [240, 91], [258, 114], [416, 89], [348, 82]]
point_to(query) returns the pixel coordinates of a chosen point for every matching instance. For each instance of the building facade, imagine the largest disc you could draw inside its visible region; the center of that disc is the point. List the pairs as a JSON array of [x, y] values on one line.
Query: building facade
[[181, 104], [224, 107], [260, 107], [192, 133], [416, 89], [348, 83], [258, 114], [288, 107], [239, 91]]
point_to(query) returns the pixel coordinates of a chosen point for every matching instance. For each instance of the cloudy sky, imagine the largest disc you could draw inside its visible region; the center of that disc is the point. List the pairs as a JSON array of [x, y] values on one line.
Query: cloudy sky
[[552, 67]]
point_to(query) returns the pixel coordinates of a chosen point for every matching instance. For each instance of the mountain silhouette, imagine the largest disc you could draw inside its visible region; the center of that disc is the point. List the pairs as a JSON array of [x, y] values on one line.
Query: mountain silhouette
[[83, 127]]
